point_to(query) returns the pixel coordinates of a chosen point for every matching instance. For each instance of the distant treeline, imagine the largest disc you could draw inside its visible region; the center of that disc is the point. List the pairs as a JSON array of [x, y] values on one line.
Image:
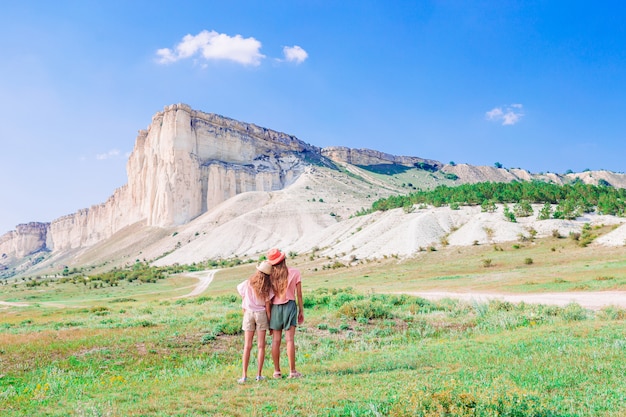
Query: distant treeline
[[141, 272], [571, 199]]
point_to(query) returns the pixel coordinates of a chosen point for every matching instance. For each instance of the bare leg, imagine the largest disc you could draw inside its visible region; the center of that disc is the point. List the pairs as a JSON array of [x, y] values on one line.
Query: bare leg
[[276, 336], [291, 348], [260, 340], [247, 347]]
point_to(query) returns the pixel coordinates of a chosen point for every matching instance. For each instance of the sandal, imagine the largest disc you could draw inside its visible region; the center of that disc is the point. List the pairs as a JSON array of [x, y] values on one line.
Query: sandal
[[260, 378], [242, 380], [277, 375], [295, 374]]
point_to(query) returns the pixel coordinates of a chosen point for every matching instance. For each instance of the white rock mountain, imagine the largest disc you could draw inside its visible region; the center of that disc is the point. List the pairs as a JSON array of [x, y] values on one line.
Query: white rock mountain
[[204, 186]]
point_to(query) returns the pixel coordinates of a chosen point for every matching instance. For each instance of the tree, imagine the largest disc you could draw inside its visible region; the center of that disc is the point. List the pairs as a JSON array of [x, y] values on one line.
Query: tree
[[523, 209], [545, 212], [509, 215], [488, 206], [498, 165], [567, 209]]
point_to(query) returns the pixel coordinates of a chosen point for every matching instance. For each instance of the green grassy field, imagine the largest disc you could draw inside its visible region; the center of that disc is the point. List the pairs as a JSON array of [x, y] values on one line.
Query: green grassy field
[[135, 350]]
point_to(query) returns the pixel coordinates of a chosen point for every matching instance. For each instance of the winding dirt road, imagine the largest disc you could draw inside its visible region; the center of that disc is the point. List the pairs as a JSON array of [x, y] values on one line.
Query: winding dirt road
[[591, 300], [9, 304], [204, 280]]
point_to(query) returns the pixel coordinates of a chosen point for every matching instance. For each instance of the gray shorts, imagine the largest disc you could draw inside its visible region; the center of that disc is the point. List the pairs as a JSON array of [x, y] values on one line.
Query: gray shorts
[[284, 316]]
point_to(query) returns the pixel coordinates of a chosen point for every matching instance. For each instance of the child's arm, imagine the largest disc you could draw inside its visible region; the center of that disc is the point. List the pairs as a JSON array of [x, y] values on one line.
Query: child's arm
[[241, 289], [268, 310], [300, 303]]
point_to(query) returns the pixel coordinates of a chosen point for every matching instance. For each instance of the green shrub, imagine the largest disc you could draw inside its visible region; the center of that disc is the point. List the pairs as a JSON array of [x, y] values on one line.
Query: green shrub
[[546, 211], [227, 299], [523, 209], [390, 299], [203, 299], [343, 298], [422, 305], [509, 215], [231, 324], [604, 278], [586, 237], [614, 313], [498, 305], [488, 206], [336, 265], [315, 300], [208, 338], [574, 312], [365, 309]]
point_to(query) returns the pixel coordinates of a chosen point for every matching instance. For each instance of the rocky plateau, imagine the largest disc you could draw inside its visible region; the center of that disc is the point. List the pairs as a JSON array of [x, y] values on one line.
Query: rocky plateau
[[202, 186]]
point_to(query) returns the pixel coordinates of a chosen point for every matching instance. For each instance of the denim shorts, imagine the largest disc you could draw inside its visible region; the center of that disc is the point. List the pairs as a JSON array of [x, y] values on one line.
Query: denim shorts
[[284, 316]]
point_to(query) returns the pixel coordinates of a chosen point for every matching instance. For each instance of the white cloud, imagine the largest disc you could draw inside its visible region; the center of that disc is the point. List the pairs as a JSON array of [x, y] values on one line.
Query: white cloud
[[508, 115], [295, 54], [214, 46], [111, 154], [494, 114]]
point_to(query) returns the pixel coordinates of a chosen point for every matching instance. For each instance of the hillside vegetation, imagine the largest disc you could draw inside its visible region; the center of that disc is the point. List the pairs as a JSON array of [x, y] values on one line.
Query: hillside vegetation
[[571, 199]]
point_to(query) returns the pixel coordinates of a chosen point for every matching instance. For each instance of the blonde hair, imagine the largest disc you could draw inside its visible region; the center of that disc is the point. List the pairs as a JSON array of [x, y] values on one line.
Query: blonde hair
[[261, 285], [279, 276]]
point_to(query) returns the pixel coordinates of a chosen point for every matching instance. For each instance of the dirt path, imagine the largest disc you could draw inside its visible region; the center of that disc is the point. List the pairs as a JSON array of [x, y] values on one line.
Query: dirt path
[[205, 278], [591, 300], [9, 304]]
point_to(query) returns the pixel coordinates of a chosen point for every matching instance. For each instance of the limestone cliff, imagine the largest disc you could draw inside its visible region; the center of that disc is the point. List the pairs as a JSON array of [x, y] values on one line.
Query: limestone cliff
[[188, 161], [183, 164], [369, 157], [26, 239]]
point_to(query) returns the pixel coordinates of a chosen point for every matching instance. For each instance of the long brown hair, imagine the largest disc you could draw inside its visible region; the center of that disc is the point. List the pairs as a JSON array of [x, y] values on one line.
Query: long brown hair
[[279, 277], [261, 285]]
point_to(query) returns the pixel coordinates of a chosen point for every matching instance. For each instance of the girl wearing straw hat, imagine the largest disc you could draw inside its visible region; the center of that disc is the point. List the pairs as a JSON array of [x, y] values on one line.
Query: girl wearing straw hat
[[256, 293]]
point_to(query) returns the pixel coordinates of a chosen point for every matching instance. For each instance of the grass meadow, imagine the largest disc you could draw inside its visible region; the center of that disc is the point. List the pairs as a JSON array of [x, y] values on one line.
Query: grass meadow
[[364, 350]]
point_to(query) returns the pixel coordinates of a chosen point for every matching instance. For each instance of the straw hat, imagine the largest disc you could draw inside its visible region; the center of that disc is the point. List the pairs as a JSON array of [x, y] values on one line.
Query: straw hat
[[265, 267]]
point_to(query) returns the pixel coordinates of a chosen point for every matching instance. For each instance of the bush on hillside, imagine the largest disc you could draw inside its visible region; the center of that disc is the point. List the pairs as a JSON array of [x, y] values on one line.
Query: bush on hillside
[[365, 309]]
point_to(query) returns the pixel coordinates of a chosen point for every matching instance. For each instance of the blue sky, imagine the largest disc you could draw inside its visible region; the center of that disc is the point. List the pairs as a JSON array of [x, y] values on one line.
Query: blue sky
[[537, 85]]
